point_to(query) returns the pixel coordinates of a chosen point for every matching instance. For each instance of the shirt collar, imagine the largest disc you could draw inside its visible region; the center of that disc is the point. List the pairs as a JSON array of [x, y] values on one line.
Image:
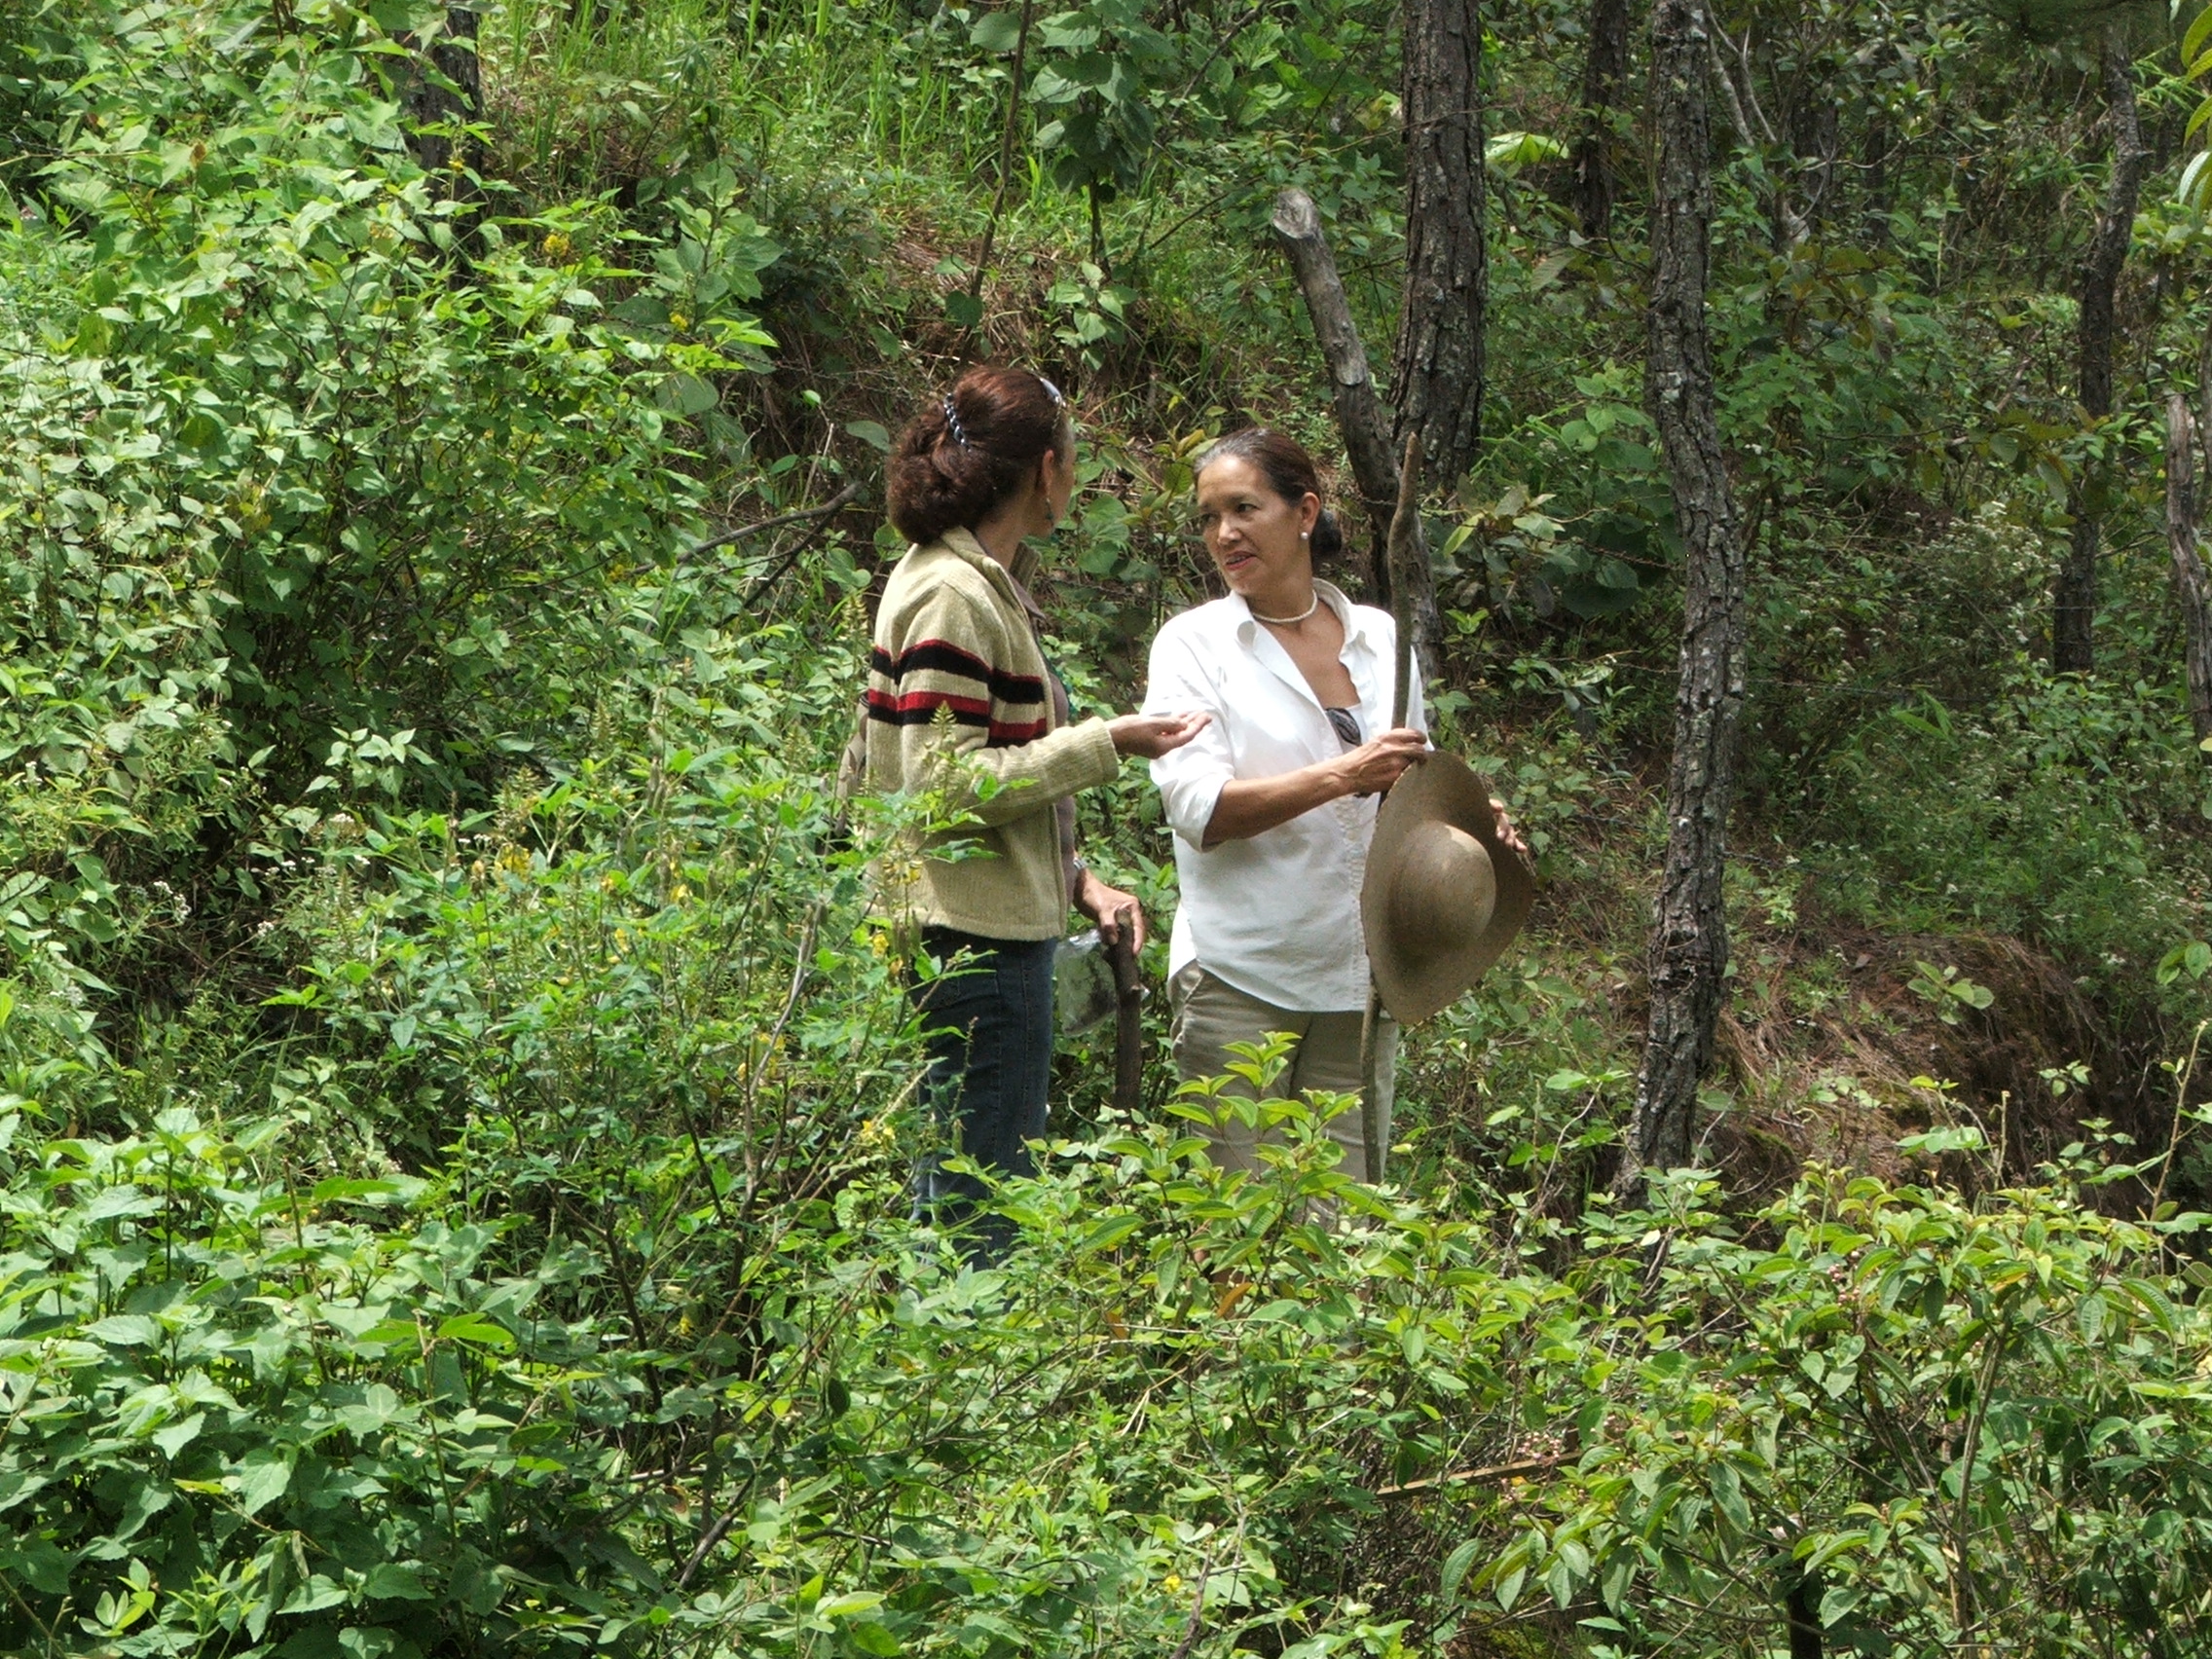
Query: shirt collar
[[1356, 628], [1028, 565], [961, 542]]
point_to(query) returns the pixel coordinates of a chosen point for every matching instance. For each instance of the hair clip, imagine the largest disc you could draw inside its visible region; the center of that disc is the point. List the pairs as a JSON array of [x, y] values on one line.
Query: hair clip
[[952, 422], [1052, 389]]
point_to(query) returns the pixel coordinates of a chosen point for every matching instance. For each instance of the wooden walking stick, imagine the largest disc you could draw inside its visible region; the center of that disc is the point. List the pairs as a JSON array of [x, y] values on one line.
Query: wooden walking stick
[[1408, 541], [1128, 1024]]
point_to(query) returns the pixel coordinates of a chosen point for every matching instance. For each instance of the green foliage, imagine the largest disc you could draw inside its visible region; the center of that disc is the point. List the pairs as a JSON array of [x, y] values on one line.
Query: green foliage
[[248, 1414], [309, 451], [1903, 1410], [1948, 991], [456, 1109]]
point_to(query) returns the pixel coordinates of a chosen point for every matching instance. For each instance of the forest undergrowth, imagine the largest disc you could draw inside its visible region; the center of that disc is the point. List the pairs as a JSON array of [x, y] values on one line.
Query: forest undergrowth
[[455, 1112]]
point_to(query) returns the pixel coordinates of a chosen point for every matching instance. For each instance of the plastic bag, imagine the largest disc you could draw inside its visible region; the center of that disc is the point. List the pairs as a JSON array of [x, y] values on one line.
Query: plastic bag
[[1084, 992]]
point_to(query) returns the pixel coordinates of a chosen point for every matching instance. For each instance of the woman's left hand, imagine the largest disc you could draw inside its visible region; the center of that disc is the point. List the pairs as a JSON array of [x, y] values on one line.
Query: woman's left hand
[[1506, 831], [1113, 910]]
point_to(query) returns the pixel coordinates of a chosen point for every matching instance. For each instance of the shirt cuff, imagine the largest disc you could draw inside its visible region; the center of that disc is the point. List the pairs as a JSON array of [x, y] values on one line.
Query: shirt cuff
[[1189, 805]]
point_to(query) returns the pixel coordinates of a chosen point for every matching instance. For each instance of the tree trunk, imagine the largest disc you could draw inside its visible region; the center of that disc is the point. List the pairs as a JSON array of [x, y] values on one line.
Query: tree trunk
[[1603, 68], [2073, 596], [2192, 584], [1689, 935], [445, 88], [1360, 414], [1436, 381]]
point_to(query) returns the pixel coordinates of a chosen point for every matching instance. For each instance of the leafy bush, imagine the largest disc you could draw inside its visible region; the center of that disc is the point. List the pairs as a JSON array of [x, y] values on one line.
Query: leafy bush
[[320, 451], [1882, 1426]]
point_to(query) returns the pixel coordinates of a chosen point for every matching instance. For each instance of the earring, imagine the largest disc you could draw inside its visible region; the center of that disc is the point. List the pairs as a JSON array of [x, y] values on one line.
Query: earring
[[1306, 535]]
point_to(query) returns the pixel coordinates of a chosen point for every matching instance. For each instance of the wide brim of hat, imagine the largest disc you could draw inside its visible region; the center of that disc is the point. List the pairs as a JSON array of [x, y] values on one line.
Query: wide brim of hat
[[1442, 787]]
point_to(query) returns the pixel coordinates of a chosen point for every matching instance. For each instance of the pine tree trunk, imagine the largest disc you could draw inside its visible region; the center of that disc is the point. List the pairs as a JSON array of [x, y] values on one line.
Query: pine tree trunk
[[1436, 382], [1603, 68], [2193, 586], [2073, 596], [1689, 937], [445, 88]]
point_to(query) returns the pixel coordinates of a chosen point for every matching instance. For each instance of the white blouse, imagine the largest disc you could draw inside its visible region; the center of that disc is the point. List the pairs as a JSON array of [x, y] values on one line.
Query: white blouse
[[1275, 915]]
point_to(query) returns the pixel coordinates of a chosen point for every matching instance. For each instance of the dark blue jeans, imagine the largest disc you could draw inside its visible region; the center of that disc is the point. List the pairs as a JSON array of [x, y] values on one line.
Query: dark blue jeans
[[988, 1027]]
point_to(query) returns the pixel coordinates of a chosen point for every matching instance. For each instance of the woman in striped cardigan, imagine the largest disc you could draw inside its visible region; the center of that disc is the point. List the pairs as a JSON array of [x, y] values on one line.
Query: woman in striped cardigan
[[963, 706]]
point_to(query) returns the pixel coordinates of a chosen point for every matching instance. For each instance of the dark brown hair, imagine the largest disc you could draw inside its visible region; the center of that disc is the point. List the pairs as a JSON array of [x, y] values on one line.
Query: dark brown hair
[[1290, 472], [967, 450]]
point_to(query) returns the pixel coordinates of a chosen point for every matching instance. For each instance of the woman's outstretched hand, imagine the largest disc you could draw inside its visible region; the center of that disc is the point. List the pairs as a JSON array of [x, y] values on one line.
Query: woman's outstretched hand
[[1149, 736], [1375, 765]]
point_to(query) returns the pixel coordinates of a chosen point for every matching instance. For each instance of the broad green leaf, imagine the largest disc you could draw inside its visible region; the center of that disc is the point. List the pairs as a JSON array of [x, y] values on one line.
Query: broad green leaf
[[396, 1581], [174, 1437], [262, 1477], [1107, 1233], [997, 31], [475, 1328], [125, 1330]]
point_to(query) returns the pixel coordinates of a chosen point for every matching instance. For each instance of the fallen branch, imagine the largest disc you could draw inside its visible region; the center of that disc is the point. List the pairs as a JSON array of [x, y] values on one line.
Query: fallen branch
[[1360, 415], [1468, 1477]]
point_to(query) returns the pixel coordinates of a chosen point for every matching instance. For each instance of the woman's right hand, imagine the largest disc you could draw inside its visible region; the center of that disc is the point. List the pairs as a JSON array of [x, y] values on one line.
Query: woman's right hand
[[1375, 765], [1149, 736]]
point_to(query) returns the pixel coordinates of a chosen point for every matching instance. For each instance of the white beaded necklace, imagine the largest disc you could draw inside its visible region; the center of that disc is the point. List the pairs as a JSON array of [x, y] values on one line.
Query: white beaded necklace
[[1289, 621]]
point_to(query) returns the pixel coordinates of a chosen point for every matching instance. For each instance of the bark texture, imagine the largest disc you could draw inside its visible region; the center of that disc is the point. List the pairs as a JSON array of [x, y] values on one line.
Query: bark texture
[[1436, 381], [445, 87], [1128, 1026], [1604, 67], [1802, 1608], [1360, 414], [2193, 586], [2073, 596], [1689, 935]]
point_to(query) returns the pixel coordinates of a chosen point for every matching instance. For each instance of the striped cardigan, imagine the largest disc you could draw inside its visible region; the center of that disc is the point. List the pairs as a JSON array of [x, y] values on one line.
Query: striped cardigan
[[958, 705]]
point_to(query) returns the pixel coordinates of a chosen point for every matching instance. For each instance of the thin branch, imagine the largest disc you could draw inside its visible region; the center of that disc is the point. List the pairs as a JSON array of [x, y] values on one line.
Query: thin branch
[[1005, 151], [821, 514], [2180, 1116], [712, 1535], [1735, 100], [842, 498], [1750, 82], [1794, 228]]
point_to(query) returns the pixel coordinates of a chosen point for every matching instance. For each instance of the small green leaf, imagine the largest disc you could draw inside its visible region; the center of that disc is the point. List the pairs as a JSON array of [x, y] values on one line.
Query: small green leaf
[[1456, 1567], [1109, 1232], [475, 1328]]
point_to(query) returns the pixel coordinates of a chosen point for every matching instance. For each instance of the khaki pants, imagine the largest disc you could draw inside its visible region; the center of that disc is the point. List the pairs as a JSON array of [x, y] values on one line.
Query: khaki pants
[[1209, 1016]]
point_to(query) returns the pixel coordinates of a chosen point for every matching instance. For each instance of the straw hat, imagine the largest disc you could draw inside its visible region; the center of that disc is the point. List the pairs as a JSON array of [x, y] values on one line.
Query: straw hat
[[1443, 896]]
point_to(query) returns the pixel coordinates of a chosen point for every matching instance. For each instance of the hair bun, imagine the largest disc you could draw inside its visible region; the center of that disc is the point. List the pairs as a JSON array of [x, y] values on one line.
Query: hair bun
[[969, 450]]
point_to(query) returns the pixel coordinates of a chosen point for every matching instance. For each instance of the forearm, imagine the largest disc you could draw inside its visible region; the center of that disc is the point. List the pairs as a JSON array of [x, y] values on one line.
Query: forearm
[[1252, 806], [1030, 776]]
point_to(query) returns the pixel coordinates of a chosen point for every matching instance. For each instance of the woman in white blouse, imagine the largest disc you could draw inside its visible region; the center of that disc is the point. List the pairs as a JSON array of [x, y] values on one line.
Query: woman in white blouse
[[1273, 803]]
